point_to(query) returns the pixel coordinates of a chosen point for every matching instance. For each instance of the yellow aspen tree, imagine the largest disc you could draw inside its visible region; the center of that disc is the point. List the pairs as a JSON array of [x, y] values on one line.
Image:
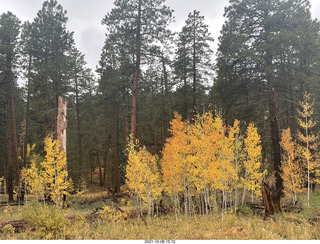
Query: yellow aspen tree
[[174, 163], [33, 180], [236, 146], [252, 163], [307, 138], [142, 176], [53, 171], [292, 172], [31, 176], [203, 155]]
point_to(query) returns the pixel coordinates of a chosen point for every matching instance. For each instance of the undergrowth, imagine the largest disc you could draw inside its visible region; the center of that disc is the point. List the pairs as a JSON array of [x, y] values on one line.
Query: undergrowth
[[50, 222]]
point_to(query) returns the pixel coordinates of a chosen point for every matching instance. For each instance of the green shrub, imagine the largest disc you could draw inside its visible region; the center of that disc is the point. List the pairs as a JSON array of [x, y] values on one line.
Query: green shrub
[[8, 230], [48, 219], [245, 210]]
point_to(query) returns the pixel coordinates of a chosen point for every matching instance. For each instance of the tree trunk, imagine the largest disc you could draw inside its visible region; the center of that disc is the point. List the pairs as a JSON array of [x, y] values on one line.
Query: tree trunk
[[270, 200], [46, 122], [78, 126], [136, 74], [106, 156], [273, 110], [194, 89], [61, 132], [9, 152], [26, 139], [14, 132], [62, 124], [116, 183]]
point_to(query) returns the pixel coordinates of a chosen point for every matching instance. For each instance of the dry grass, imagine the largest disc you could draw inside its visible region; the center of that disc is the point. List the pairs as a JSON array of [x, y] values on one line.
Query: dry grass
[[166, 227]]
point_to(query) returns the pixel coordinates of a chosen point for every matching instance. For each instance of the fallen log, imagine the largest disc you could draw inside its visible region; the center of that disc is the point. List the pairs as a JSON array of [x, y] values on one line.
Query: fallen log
[[19, 225], [315, 220], [292, 209], [295, 221]]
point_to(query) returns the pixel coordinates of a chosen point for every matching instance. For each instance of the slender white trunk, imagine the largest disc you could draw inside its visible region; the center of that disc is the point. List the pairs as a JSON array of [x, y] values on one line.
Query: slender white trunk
[[237, 180], [308, 163], [244, 186]]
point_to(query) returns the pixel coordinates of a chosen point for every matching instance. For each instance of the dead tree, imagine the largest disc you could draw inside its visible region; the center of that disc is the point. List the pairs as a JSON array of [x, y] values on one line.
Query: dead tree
[[62, 129], [270, 200]]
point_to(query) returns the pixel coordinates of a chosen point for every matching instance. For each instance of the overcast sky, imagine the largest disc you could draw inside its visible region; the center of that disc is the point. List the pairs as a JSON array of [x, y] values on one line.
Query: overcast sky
[[85, 18]]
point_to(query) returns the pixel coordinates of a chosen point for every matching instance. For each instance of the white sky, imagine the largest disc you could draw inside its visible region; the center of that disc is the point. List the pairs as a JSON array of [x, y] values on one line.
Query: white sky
[[85, 18]]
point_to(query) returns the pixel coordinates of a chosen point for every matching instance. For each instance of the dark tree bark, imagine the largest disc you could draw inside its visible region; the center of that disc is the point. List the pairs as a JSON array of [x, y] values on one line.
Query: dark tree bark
[[26, 139], [194, 67], [78, 124], [273, 111], [105, 160], [14, 133], [9, 153], [136, 75], [116, 183]]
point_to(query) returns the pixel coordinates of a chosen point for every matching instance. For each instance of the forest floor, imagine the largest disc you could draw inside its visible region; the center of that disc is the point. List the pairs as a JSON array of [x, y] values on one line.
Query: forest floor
[[84, 219]]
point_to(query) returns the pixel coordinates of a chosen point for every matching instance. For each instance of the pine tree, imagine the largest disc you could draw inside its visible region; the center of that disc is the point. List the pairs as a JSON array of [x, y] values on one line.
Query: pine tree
[[259, 47], [9, 40], [193, 62], [50, 42], [141, 22]]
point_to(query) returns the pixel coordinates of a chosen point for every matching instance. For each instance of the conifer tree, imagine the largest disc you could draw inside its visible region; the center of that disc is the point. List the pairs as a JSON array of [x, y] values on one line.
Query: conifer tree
[[260, 44], [141, 23], [9, 52], [193, 63], [50, 42]]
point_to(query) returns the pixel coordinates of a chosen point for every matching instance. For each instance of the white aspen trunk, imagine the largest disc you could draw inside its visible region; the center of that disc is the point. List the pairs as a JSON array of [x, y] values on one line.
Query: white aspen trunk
[[185, 195], [237, 180], [244, 187], [149, 194], [308, 163]]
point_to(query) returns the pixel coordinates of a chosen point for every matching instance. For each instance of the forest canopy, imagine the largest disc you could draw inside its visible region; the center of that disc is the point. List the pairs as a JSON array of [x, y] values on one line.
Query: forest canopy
[[244, 114]]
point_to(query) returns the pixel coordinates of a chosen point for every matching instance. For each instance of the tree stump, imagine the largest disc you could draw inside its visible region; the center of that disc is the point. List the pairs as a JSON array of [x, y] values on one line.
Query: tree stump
[[271, 202]]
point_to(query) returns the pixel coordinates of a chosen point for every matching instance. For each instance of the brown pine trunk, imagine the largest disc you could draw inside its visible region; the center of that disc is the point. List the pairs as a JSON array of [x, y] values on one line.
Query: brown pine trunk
[[46, 121], [155, 142], [194, 88], [165, 116], [270, 201], [26, 139], [136, 75], [14, 136], [105, 160], [100, 168], [273, 111], [80, 157], [9, 153], [125, 130], [116, 183]]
